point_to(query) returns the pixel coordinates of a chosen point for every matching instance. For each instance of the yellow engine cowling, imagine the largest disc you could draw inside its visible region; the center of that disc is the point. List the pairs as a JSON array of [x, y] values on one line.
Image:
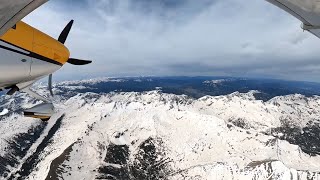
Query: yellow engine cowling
[[30, 39]]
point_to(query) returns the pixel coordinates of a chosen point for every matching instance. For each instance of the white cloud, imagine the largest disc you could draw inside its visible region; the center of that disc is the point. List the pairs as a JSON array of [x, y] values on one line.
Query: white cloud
[[225, 37]]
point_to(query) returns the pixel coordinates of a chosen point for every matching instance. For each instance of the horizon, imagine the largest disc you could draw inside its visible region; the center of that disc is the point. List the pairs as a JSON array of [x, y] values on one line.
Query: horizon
[[182, 76], [182, 38]]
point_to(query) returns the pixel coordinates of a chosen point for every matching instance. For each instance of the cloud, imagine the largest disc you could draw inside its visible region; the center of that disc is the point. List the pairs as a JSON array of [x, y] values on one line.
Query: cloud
[[182, 37]]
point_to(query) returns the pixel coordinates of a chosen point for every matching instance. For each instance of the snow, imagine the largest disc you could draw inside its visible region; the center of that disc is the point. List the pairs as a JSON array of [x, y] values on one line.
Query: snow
[[4, 112], [216, 82], [12, 126], [199, 135], [90, 81]]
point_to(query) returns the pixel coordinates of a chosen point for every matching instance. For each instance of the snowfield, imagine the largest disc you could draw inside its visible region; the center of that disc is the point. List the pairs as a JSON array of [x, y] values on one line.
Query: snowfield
[[153, 135]]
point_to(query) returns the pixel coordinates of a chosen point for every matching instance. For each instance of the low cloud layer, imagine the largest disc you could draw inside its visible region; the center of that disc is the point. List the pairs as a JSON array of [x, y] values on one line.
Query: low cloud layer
[[182, 37]]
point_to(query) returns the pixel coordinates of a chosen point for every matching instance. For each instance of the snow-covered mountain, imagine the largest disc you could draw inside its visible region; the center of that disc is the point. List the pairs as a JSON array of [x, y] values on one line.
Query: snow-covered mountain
[[155, 135]]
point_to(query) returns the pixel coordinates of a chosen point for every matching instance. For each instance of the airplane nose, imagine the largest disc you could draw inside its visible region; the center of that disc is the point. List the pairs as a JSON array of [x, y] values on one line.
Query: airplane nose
[[61, 54], [50, 48]]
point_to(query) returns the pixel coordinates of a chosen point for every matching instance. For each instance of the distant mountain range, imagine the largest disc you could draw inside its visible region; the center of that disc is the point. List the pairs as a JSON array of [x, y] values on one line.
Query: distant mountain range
[[196, 87], [166, 128]]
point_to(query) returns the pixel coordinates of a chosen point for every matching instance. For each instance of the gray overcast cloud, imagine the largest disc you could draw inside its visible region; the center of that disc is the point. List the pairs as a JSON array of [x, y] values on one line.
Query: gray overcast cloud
[[183, 37]]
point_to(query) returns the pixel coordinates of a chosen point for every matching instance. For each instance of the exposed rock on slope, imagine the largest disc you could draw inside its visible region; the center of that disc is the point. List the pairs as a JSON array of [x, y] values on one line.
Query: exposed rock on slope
[[153, 135]]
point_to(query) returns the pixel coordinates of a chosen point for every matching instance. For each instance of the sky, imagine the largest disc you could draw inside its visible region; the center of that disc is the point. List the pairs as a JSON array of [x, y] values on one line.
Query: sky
[[181, 38]]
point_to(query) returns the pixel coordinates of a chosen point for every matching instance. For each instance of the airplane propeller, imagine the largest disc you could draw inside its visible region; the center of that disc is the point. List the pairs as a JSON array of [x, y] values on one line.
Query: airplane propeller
[[62, 38], [65, 32], [78, 62]]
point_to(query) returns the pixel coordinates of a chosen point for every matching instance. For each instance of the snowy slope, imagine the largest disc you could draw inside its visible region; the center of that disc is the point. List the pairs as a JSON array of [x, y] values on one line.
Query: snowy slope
[[153, 135]]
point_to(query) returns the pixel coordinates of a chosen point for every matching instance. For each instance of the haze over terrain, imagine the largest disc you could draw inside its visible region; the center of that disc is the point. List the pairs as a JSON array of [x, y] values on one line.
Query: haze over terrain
[[182, 37]]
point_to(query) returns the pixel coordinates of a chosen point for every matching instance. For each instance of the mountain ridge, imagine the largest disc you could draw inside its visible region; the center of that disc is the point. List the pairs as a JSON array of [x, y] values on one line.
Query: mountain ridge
[[123, 135]]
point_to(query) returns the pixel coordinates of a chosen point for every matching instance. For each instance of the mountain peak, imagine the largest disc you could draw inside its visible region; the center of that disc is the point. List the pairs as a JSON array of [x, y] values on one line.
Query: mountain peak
[[101, 134]]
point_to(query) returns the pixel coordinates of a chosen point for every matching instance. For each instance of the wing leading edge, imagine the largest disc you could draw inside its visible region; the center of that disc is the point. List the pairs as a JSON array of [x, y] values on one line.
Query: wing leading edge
[[307, 11], [12, 11]]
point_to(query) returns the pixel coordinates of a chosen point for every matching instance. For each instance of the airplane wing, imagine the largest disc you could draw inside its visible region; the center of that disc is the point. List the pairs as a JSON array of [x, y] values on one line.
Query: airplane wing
[[12, 11], [307, 11]]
